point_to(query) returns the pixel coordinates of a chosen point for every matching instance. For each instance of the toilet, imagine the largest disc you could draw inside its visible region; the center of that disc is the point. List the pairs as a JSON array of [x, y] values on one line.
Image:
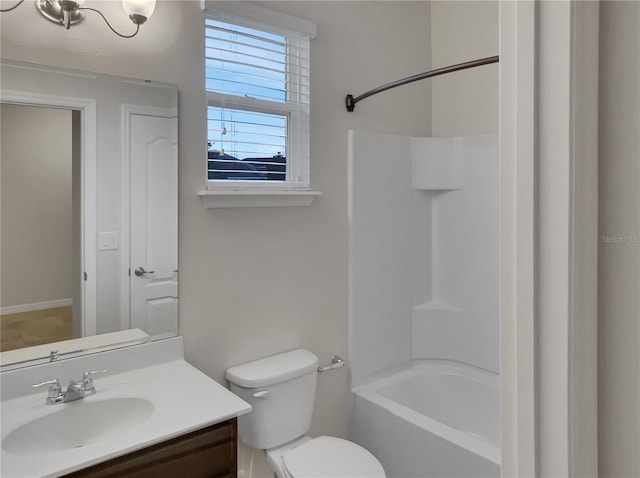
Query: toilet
[[281, 389]]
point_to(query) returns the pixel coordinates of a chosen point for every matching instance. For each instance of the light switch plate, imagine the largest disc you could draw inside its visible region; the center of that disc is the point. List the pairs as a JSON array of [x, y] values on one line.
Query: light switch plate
[[108, 241]]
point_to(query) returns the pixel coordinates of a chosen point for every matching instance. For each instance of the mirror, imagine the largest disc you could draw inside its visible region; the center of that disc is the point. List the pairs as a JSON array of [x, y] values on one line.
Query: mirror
[[89, 211]]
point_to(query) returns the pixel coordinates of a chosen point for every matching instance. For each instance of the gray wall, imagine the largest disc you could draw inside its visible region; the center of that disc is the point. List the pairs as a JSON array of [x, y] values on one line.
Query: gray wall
[[464, 102], [619, 211], [36, 205]]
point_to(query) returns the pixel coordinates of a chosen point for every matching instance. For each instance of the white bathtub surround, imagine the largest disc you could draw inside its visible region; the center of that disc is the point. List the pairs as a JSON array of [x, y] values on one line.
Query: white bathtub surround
[[423, 251], [459, 319], [423, 300], [433, 418], [380, 245]]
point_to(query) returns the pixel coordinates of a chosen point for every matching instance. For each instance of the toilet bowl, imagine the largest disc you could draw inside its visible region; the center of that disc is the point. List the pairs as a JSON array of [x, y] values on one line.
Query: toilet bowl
[[326, 457], [281, 390]]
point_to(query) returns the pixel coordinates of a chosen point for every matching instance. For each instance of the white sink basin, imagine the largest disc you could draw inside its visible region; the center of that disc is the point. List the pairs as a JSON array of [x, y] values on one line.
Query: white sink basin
[[77, 424], [150, 395]]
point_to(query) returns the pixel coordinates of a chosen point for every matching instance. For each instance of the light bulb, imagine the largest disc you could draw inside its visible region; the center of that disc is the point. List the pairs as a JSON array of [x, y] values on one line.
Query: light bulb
[[139, 11]]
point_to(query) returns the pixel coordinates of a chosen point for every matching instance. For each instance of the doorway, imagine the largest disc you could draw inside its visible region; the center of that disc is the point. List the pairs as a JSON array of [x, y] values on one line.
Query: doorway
[[42, 280]]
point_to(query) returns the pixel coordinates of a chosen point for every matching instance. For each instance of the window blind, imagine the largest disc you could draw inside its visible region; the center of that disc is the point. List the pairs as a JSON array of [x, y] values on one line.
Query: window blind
[[257, 83]]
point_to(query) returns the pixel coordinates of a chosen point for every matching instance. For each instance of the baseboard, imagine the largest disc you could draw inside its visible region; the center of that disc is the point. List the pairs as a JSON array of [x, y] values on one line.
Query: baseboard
[[50, 304]]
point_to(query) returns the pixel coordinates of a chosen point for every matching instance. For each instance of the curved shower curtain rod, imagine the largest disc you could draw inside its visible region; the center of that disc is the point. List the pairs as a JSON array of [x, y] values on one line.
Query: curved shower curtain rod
[[350, 101]]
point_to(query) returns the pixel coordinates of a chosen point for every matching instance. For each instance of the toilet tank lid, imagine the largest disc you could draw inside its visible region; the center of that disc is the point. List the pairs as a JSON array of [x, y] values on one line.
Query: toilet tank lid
[[274, 369]]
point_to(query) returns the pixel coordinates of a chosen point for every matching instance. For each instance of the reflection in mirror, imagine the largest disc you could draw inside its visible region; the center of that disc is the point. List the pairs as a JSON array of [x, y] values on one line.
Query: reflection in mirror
[[88, 211], [37, 243]]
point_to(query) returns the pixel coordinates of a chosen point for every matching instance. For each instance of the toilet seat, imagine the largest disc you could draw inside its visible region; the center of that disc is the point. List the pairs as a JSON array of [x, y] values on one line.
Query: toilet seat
[[330, 457]]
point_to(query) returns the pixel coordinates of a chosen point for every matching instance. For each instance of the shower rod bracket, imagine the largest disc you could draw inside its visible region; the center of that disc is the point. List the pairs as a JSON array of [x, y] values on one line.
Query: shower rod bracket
[[350, 101]]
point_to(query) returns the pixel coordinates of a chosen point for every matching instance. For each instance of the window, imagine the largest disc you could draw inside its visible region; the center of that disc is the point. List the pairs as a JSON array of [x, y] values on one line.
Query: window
[[257, 84]]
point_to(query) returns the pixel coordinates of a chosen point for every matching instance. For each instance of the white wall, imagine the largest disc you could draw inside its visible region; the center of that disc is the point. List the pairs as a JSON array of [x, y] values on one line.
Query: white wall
[[618, 262], [254, 281], [466, 102], [36, 205]]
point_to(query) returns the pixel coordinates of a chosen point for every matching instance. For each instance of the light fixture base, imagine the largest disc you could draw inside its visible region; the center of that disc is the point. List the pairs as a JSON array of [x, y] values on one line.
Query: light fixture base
[[137, 18], [52, 10]]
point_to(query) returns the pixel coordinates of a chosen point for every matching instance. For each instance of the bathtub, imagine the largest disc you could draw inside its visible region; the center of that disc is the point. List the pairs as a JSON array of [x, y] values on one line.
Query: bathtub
[[431, 419]]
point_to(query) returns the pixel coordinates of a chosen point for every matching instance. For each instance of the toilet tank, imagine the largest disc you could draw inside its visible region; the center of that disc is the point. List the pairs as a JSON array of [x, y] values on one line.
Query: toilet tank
[[281, 389]]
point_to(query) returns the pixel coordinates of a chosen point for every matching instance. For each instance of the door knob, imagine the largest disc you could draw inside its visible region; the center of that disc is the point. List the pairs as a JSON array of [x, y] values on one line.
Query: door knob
[[140, 271]]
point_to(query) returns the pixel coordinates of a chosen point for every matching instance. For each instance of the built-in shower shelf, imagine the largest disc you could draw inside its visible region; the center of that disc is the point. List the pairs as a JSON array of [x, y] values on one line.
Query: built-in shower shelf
[[434, 313], [431, 306], [246, 198]]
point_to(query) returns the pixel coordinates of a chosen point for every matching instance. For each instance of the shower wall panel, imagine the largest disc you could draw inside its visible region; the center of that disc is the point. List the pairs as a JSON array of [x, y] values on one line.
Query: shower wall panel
[[423, 251], [460, 321], [381, 247]]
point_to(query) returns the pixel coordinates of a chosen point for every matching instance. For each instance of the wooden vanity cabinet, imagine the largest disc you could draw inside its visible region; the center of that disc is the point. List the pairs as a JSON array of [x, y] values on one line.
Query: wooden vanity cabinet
[[207, 453]]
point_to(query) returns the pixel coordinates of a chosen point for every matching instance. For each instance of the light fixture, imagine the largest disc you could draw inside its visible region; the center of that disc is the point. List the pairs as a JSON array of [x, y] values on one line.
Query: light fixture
[[139, 11], [70, 12]]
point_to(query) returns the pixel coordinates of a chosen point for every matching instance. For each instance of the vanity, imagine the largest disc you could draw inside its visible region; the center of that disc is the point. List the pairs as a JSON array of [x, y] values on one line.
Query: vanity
[[152, 415], [210, 452]]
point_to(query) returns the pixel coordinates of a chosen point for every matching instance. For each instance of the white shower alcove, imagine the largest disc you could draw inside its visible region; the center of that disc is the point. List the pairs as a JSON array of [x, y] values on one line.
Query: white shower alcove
[[424, 303]]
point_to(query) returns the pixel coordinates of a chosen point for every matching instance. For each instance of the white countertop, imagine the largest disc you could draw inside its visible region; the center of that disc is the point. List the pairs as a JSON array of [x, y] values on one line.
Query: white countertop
[[184, 400]]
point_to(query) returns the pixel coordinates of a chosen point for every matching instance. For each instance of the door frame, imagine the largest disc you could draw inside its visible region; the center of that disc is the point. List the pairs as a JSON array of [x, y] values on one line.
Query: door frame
[[128, 110], [87, 108], [548, 236]]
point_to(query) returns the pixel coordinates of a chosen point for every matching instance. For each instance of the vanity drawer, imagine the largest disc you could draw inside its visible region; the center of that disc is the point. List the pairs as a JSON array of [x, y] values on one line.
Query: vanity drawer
[[207, 453]]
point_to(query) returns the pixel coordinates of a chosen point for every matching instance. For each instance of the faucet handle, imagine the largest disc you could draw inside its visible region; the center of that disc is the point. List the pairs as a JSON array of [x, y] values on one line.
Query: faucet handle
[[88, 381], [54, 382], [55, 390]]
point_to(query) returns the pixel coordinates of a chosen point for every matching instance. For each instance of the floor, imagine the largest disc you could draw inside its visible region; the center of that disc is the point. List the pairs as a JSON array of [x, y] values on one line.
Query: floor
[[35, 328]]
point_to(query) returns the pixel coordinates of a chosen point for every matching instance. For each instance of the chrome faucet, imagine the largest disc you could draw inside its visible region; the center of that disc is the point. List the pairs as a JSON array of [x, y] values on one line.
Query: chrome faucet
[[76, 389], [54, 394]]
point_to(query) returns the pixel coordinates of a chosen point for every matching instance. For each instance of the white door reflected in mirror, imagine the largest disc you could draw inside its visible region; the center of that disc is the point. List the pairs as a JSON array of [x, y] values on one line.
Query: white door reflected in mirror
[[154, 224]]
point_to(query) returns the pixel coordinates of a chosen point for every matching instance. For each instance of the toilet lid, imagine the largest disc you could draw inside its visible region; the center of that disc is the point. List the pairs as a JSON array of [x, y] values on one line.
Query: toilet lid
[[330, 457]]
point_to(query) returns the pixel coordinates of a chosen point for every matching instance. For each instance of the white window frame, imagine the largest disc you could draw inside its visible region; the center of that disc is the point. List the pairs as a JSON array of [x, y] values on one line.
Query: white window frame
[[298, 138]]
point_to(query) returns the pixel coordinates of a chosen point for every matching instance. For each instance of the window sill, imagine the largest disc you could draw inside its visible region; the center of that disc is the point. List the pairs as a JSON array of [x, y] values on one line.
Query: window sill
[[247, 198]]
